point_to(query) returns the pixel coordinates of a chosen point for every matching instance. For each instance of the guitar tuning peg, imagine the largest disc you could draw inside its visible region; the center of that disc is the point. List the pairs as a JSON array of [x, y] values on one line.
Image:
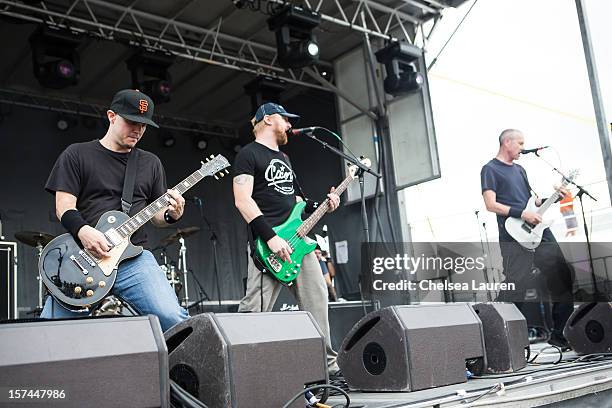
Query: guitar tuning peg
[[226, 171], [207, 160], [202, 162], [216, 178], [212, 156], [222, 174]]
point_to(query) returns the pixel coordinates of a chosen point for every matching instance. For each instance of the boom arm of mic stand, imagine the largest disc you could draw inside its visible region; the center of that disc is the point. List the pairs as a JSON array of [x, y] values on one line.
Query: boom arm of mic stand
[[344, 155]]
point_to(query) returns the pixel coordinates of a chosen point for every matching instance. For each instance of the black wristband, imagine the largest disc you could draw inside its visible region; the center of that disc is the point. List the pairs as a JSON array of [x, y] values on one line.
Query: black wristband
[[311, 206], [261, 228], [73, 221], [515, 212], [168, 218]]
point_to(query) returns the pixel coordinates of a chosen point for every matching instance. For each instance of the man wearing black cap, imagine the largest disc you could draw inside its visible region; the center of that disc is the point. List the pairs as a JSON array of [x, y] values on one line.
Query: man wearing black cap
[[87, 181], [264, 193]]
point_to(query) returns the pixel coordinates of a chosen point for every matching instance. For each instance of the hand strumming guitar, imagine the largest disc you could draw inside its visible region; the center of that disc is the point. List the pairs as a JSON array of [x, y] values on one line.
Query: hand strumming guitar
[[94, 241], [280, 247]]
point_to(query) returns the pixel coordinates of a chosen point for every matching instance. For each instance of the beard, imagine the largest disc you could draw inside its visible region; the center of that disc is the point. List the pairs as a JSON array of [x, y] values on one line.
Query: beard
[[281, 137]]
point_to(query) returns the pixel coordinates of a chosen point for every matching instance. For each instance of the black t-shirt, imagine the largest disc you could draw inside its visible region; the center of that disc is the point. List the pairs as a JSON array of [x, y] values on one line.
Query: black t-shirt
[[95, 175], [273, 180], [509, 181]]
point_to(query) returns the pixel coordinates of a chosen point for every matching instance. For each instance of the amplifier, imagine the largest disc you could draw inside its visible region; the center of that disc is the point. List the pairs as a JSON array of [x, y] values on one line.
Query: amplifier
[[8, 280]]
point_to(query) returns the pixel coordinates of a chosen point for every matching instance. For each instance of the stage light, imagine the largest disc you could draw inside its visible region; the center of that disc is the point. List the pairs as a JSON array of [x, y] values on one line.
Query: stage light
[[264, 89], [167, 139], [402, 76], [200, 143], [150, 74], [55, 59], [63, 123], [296, 44]]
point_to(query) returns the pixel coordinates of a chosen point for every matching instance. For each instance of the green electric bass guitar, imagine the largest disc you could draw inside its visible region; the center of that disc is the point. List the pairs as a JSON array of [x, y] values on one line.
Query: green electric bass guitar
[[293, 230]]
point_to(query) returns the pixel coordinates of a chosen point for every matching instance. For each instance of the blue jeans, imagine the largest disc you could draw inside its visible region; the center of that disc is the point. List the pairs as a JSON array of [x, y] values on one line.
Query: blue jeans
[[141, 283]]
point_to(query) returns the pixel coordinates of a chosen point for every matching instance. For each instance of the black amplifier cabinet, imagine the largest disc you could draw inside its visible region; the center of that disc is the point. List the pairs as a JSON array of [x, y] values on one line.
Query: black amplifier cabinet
[[8, 280]]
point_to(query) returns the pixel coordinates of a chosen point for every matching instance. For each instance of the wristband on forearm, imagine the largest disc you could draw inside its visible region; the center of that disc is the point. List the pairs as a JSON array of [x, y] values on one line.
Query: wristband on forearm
[[73, 221], [515, 212], [168, 218], [261, 228]]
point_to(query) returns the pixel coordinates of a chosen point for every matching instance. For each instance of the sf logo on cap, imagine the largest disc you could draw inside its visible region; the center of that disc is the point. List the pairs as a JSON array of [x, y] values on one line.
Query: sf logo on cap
[[143, 105]]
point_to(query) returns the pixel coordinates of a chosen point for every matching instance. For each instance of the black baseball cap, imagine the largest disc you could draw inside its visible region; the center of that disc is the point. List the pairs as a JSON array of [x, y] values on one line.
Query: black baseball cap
[[272, 108], [134, 105]]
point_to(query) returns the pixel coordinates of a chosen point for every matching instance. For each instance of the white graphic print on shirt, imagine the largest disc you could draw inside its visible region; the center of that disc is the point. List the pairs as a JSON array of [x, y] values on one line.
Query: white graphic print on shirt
[[280, 176]]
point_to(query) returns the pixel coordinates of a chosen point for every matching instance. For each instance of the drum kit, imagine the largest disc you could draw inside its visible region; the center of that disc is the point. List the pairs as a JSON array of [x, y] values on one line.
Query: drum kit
[[112, 304]]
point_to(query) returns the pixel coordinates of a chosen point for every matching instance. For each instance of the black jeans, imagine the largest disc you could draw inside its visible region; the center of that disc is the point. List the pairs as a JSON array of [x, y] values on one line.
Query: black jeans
[[544, 269]]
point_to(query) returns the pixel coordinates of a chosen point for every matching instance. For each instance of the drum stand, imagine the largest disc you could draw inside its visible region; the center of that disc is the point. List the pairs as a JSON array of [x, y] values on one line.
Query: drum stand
[[182, 268], [39, 308]]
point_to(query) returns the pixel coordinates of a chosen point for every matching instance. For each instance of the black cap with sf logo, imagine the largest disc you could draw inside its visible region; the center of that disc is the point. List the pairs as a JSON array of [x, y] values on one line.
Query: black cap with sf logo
[[134, 105]]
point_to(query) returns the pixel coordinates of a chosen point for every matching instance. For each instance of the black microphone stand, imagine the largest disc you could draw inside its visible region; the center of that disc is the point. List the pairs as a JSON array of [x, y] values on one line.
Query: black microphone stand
[[213, 238], [486, 271], [597, 295], [360, 174]]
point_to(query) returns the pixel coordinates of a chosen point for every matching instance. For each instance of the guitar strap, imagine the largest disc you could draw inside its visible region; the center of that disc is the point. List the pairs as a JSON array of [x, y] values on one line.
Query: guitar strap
[[129, 181]]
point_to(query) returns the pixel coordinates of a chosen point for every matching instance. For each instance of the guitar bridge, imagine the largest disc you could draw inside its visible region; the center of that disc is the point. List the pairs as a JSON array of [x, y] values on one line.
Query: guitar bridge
[[274, 263], [76, 261]]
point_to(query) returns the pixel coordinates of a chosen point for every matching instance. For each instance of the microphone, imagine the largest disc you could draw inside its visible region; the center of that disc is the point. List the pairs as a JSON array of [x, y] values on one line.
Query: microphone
[[536, 150], [301, 131]]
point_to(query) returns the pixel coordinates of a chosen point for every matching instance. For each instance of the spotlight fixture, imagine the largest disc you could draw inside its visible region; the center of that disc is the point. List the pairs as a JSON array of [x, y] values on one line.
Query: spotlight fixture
[[149, 71], [63, 123], [296, 44], [264, 89], [200, 142], [55, 58], [402, 76], [167, 139]]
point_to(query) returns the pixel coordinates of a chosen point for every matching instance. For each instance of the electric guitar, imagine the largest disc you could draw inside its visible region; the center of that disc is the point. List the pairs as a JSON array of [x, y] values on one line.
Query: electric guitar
[[530, 235], [293, 230], [76, 278]]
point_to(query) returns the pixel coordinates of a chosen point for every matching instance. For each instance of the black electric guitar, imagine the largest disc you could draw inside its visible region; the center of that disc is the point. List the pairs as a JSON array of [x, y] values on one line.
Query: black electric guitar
[[77, 279]]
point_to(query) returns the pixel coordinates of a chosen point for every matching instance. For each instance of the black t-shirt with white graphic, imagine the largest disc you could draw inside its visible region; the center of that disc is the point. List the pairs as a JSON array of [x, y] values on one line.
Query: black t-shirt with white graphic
[[273, 181], [95, 175]]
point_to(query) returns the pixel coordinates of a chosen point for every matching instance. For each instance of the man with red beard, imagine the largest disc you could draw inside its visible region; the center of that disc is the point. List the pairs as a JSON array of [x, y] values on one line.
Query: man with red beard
[[264, 193], [87, 181]]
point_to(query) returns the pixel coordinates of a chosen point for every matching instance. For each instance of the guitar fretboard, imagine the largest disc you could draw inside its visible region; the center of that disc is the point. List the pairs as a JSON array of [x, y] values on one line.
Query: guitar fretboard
[[552, 199], [143, 216], [311, 221]]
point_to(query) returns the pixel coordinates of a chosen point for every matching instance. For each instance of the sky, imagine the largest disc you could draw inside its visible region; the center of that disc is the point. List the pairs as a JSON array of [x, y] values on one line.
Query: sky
[[513, 64]]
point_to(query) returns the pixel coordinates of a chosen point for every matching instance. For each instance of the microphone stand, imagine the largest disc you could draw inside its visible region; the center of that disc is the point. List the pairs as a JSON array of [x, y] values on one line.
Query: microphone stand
[[360, 173], [597, 295], [213, 238], [486, 272]]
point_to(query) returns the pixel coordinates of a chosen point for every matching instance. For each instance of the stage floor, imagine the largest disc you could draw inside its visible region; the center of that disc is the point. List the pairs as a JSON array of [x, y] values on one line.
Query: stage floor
[[566, 384]]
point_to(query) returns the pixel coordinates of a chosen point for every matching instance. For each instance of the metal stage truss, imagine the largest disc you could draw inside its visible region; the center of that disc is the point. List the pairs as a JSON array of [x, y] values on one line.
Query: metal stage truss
[[76, 107], [129, 24]]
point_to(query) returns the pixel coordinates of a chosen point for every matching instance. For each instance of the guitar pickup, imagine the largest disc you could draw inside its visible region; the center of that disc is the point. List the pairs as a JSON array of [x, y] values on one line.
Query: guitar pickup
[[87, 258], [274, 263], [77, 263], [527, 227]]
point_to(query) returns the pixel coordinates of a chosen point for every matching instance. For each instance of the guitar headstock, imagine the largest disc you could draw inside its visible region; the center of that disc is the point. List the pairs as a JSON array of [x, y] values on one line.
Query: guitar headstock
[[570, 177], [353, 170], [215, 166]]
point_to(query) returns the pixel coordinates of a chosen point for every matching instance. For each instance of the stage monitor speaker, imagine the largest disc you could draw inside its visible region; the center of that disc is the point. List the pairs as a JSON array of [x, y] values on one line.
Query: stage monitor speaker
[[344, 315], [410, 348], [247, 359], [95, 362], [505, 336], [589, 328]]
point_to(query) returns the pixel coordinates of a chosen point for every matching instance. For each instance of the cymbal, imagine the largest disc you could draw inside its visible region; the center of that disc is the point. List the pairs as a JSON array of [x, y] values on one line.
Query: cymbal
[[180, 232], [34, 238]]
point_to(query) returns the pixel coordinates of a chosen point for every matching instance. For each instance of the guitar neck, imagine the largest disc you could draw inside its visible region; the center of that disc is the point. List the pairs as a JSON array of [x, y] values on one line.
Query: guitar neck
[[551, 200], [314, 218], [143, 216]]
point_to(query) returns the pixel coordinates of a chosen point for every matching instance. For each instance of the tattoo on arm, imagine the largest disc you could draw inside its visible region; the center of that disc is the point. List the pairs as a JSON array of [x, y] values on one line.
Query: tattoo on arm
[[240, 179]]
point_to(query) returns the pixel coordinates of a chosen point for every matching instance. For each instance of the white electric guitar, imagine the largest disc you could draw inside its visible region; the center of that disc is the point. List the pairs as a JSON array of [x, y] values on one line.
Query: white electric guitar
[[527, 234]]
